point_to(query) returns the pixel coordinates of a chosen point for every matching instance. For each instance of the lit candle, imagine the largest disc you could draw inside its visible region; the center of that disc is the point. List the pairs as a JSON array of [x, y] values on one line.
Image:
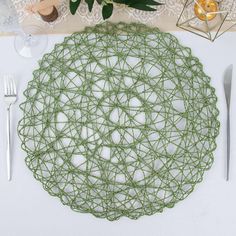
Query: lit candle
[[206, 9]]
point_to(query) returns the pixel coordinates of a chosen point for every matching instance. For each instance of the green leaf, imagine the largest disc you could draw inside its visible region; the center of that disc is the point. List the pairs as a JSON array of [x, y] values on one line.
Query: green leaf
[[142, 7], [90, 4], [74, 4], [107, 10], [99, 2], [143, 2], [152, 2], [120, 1]]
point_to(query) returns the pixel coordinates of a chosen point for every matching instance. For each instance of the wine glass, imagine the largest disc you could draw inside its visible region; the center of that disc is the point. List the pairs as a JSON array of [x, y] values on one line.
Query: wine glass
[[29, 40]]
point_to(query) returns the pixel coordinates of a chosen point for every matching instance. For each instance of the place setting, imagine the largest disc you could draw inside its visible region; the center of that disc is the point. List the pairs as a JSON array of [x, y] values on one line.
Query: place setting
[[120, 120]]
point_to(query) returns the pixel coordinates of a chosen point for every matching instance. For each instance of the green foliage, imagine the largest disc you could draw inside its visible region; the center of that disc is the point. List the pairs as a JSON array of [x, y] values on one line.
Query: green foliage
[[74, 4], [90, 4], [107, 9]]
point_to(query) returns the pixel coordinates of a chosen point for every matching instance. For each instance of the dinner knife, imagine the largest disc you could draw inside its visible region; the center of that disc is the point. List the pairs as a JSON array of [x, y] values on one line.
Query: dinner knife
[[227, 89]]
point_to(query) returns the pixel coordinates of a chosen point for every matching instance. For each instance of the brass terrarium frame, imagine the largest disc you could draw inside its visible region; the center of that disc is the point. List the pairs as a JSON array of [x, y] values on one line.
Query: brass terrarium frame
[[209, 29]]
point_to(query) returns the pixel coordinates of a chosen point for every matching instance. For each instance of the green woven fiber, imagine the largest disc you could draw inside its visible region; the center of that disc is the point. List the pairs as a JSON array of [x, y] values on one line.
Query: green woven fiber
[[119, 120]]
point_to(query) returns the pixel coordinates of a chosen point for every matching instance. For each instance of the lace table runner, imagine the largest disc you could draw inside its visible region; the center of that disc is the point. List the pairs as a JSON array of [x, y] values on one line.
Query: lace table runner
[[164, 18], [171, 7]]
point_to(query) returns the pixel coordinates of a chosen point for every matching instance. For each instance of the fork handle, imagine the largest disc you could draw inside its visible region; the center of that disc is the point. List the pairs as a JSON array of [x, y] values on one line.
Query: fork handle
[[8, 145]]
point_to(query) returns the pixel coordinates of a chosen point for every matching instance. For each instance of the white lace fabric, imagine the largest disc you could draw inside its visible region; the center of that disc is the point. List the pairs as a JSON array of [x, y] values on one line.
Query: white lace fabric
[[169, 8]]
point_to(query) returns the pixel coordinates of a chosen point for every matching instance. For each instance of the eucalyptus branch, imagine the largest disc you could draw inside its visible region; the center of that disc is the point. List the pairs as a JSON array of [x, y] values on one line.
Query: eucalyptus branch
[[107, 5]]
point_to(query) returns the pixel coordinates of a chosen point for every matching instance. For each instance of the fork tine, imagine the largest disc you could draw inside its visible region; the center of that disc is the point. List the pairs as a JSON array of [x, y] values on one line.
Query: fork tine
[[11, 87], [14, 86], [8, 86], [5, 85]]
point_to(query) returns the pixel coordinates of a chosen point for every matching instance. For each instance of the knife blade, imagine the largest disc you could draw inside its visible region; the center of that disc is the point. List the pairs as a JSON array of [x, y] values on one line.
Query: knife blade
[[227, 89]]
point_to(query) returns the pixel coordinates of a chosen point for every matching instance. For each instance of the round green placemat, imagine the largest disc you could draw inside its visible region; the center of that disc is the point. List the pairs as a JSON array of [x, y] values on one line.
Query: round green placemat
[[119, 120]]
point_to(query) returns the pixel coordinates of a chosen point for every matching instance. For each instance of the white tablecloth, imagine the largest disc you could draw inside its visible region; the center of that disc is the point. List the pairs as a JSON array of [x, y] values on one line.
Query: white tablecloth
[[27, 210]]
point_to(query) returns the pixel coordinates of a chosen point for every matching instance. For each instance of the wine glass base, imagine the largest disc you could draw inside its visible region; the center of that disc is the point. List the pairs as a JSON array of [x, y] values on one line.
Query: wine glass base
[[30, 42]]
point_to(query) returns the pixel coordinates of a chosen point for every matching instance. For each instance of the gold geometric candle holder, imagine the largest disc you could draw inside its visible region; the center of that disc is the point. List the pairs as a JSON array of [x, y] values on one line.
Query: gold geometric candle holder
[[207, 18]]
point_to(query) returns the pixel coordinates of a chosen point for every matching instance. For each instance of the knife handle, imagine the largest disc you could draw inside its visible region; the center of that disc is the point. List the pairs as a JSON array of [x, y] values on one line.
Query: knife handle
[[228, 146]]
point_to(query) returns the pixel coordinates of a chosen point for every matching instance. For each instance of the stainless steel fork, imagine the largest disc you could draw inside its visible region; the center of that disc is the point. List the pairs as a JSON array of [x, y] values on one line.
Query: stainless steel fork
[[10, 96]]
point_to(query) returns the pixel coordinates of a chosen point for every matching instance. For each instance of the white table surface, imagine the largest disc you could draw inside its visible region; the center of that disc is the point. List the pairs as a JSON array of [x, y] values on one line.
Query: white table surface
[[28, 210]]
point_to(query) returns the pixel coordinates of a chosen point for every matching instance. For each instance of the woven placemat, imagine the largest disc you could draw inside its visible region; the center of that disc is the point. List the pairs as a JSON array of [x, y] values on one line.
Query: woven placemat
[[119, 120]]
